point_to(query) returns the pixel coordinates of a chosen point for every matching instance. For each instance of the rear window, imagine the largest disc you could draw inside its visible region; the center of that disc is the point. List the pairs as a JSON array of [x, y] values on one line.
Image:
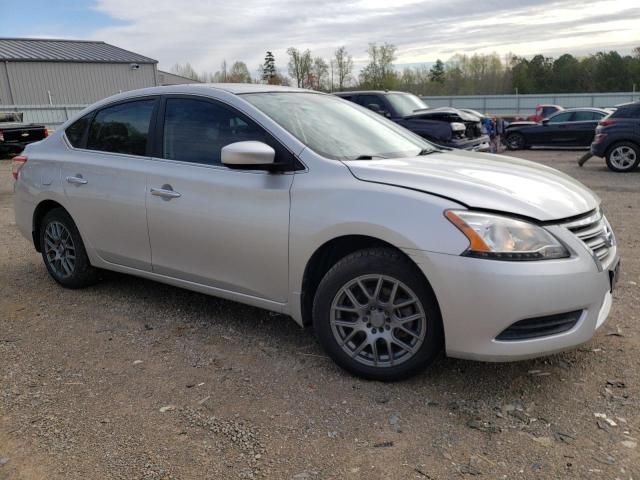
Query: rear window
[[585, 116], [629, 111], [122, 128], [75, 132]]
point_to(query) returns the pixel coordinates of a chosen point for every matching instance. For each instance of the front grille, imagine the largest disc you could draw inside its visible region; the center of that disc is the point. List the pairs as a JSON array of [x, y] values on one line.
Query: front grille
[[596, 234], [540, 326]]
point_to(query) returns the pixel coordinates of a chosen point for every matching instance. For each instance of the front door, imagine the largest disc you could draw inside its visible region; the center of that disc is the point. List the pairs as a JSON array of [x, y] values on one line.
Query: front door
[[210, 224], [556, 131]]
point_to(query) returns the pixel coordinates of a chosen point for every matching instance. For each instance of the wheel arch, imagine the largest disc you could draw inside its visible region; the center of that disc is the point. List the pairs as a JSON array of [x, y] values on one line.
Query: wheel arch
[[331, 252], [618, 141], [40, 211]]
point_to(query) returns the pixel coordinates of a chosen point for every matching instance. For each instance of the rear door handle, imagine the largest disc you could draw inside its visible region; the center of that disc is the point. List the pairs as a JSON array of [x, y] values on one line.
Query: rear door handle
[[166, 192], [77, 180]]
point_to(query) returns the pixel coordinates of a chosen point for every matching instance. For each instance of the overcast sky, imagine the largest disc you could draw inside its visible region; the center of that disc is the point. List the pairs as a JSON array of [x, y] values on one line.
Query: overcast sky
[[206, 32]]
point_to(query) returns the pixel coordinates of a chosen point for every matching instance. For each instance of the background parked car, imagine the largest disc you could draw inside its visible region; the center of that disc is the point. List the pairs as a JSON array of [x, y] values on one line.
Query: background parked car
[[544, 111], [567, 128], [618, 138], [15, 135], [445, 126]]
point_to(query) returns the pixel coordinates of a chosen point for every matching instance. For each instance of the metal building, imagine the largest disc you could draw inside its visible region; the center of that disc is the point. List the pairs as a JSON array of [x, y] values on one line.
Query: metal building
[[55, 72], [167, 78]]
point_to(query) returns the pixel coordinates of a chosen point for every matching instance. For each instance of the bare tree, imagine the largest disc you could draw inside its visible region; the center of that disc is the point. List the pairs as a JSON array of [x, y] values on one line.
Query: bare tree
[[344, 67], [239, 73], [379, 73], [187, 71], [319, 72], [300, 64]]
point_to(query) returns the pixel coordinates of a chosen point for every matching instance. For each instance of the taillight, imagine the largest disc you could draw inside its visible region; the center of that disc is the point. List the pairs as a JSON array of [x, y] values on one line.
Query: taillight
[[17, 164], [599, 137], [606, 122], [1, 136], [46, 132]]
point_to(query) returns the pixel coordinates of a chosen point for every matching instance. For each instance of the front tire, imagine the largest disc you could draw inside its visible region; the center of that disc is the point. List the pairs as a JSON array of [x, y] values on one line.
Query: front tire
[[515, 141], [376, 316], [63, 251], [623, 157]]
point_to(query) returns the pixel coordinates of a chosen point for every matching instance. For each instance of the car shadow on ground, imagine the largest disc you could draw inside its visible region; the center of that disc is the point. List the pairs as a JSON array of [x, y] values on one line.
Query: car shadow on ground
[[470, 378]]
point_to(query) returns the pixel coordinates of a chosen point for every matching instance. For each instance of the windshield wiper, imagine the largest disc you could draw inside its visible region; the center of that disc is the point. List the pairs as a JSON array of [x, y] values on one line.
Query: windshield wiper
[[427, 151], [367, 157]]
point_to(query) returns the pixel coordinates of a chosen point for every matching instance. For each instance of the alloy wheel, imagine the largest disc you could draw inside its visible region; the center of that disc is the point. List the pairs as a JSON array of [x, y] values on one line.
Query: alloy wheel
[[378, 321], [60, 250], [623, 157]]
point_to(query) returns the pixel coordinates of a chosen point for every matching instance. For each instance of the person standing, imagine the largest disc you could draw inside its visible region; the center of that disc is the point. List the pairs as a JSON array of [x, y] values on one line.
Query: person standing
[[500, 133], [490, 126]]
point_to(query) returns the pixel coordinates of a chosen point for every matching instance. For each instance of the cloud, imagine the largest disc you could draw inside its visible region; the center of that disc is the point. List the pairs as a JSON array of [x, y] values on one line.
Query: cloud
[[206, 32]]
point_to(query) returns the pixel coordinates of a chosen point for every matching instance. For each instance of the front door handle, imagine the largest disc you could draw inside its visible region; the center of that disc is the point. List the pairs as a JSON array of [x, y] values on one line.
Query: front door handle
[[165, 192], [77, 180]]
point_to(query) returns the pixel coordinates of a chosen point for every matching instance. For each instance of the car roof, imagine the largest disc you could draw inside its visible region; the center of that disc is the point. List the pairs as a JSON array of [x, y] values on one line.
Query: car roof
[[583, 109], [199, 88], [369, 92]]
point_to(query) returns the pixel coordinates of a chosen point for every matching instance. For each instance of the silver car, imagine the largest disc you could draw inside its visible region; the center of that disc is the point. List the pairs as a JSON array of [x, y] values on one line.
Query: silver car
[[309, 205]]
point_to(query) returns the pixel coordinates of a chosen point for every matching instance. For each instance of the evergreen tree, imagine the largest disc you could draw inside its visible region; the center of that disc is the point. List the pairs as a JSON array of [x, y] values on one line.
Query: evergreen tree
[[269, 71], [436, 74]]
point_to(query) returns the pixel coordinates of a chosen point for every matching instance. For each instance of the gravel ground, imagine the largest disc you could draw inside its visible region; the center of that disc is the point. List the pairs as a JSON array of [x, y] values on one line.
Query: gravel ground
[[132, 379]]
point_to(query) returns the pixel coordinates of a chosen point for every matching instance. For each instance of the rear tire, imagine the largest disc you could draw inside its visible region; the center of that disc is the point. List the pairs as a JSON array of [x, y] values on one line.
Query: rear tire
[[376, 316], [63, 251], [623, 157], [515, 141]]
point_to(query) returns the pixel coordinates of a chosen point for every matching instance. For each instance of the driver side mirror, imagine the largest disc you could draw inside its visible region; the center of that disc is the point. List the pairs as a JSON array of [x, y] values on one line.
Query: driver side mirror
[[248, 155]]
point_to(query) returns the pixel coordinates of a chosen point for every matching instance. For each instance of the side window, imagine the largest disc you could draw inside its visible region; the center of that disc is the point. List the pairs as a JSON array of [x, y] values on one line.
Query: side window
[[75, 132], [561, 117], [546, 111], [196, 130], [369, 100], [585, 116], [122, 128]]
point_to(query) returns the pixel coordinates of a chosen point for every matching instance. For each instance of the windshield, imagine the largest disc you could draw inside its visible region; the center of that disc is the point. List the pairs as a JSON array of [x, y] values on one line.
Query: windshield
[[405, 103], [336, 128]]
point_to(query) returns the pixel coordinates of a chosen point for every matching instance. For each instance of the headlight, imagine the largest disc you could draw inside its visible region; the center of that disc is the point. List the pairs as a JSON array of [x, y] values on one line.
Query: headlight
[[458, 127], [504, 238]]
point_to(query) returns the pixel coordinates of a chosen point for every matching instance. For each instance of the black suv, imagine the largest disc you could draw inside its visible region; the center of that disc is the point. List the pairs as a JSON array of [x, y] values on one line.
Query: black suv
[[618, 138], [446, 126]]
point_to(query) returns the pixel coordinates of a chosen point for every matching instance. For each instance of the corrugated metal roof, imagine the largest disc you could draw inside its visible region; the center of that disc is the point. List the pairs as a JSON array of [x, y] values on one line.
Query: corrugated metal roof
[[54, 50]]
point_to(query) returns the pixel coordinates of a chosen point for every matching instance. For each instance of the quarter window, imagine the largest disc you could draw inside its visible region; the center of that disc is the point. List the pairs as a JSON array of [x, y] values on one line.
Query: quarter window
[[122, 128], [75, 132], [627, 111], [195, 130]]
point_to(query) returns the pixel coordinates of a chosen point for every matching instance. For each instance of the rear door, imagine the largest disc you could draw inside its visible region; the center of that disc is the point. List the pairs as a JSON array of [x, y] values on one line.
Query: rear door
[[105, 180], [583, 127], [221, 227]]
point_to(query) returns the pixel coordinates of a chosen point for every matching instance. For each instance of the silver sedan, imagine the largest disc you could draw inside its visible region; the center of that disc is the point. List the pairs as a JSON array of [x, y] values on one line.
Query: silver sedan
[[309, 205]]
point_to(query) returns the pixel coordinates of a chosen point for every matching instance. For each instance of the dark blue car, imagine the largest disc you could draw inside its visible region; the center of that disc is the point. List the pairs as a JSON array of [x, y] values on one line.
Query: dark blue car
[[618, 138], [567, 128]]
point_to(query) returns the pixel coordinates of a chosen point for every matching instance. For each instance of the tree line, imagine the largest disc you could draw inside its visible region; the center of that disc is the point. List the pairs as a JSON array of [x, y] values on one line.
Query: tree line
[[477, 74]]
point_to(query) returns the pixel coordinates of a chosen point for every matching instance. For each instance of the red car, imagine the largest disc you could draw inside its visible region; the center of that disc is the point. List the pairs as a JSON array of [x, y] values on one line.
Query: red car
[[543, 111]]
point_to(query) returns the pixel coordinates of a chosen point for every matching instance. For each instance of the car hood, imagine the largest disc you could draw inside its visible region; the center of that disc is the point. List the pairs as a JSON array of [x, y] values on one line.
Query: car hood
[[484, 181], [427, 113]]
